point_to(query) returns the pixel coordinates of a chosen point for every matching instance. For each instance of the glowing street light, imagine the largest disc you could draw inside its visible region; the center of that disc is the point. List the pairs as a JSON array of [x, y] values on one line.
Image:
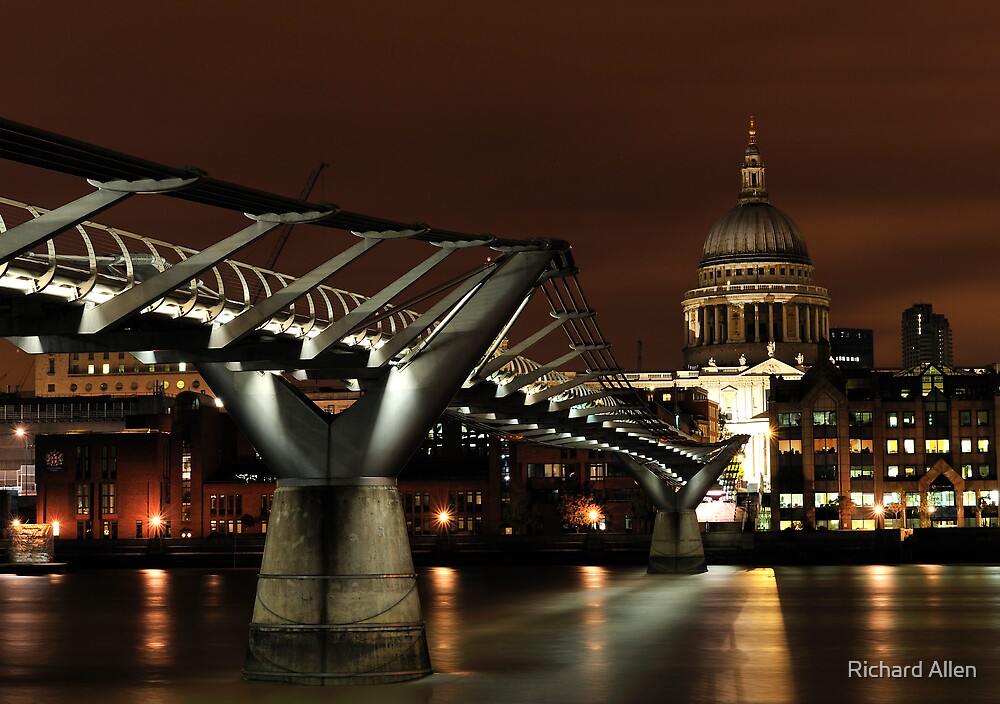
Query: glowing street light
[[443, 518]]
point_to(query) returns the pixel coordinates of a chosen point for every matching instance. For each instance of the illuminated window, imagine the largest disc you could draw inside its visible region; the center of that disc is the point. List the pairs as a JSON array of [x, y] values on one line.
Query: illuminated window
[[83, 499], [863, 498], [789, 420], [824, 418], [966, 471], [892, 420], [824, 444], [892, 471], [182, 367], [983, 445], [909, 446], [108, 502], [90, 369], [892, 446], [937, 446], [861, 445], [105, 369], [793, 447], [180, 384], [790, 501], [965, 445], [909, 419]]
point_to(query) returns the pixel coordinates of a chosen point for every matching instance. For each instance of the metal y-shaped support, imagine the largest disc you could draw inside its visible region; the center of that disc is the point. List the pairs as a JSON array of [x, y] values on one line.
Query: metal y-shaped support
[[677, 546], [337, 600]]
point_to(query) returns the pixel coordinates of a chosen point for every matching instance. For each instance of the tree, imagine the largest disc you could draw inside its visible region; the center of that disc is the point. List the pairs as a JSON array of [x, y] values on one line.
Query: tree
[[518, 511], [847, 506], [894, 509], [580, 511]]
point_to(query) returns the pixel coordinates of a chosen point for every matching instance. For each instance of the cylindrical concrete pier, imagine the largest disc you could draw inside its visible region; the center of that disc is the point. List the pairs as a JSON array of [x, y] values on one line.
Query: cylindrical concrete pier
[[337, 598], [677, 545]]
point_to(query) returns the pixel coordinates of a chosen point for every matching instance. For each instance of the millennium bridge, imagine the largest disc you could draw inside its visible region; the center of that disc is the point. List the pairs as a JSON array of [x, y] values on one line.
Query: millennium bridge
[[337, 599]]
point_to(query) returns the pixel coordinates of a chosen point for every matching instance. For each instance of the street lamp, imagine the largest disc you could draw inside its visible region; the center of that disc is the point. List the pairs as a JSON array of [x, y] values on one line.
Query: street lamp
[[879, 511]]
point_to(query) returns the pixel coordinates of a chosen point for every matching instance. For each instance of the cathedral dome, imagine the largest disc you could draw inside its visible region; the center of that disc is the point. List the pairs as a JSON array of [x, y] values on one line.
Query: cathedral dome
[[754, 231]]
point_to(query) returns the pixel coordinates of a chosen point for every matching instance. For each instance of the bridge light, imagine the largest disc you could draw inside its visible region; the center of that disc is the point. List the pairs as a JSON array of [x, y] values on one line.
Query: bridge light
[[443, 518]]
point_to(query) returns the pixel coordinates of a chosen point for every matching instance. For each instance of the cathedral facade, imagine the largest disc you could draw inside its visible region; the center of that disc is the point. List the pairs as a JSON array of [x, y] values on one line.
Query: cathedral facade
[[755, 297]]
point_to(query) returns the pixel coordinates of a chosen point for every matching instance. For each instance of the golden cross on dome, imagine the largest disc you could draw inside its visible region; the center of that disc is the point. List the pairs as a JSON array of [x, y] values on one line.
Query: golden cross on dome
[[753, 132]]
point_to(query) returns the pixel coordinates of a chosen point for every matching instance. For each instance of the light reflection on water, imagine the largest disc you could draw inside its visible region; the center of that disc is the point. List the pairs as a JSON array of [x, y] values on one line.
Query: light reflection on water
[[524, 634]]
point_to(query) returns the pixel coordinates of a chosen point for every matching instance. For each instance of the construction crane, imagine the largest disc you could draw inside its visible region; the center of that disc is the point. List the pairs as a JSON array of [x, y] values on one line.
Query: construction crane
[[287, 229]]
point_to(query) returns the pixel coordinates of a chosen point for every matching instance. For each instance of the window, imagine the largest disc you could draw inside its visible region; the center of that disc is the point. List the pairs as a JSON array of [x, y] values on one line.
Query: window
[[965, 445], [892, 420], [52, 388], [965, 418], [138, 529], [597, 472], [105, 369], [109, 462], [793, 447], [790, 500], [892, 446], [861, 419], [108, 504], [982, 418], [789, 420], [863, 498], [983, 445], [892, 498], [909, 446], [984, 471], [83, 499], [937, 446], [892, 471], [824, 444], [82, 462], [90, 368], [550, 470], [966, 471], [909, 419], [824, 418], [826, 498], [861, 445], [823, 472], [862, 471], [909, 471]]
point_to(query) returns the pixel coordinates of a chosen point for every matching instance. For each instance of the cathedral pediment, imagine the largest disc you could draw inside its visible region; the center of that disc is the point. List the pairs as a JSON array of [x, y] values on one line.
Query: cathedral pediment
[[773, 366]]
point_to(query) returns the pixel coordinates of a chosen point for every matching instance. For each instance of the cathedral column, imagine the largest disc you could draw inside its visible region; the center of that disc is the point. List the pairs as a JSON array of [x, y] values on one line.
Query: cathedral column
[[805, 309], [756, 322], [770, 322], [718, 324]]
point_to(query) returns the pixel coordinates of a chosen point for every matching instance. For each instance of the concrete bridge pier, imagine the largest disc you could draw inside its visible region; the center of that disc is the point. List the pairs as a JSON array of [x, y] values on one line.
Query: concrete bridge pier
[[677, 547], [337, 599]]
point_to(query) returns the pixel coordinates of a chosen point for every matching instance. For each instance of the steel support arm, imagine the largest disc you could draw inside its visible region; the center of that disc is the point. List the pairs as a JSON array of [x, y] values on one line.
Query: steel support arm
[[377, 435]]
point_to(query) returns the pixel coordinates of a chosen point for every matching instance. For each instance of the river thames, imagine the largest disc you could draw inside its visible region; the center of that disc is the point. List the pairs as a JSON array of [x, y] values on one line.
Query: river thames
[[570, 634]]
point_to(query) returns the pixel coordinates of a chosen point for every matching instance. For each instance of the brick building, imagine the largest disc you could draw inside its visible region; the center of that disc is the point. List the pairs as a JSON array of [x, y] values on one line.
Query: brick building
[[864, 449]]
